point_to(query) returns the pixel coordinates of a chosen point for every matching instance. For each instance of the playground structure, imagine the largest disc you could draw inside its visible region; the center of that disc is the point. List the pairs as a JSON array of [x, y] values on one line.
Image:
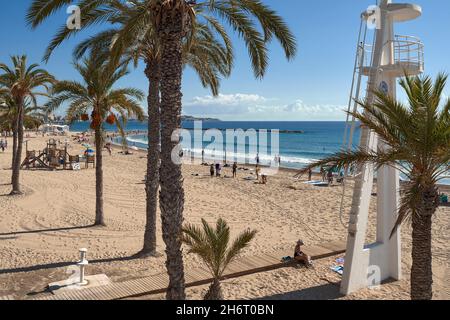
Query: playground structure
[[52, 158], [389, 58]]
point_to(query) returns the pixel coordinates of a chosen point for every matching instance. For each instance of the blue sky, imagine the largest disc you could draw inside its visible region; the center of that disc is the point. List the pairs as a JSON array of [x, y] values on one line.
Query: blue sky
[[314, 86]]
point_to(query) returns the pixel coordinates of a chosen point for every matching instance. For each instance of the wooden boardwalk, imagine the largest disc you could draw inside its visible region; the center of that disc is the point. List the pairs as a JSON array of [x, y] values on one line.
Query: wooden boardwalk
[[195, 277]]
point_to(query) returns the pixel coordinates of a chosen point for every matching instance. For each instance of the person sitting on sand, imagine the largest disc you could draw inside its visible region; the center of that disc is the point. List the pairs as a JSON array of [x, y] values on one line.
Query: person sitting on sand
[[300, 256], [264, 178]]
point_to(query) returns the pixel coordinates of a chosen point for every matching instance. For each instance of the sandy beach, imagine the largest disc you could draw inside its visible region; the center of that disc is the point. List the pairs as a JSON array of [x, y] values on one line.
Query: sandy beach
[[42, 230]]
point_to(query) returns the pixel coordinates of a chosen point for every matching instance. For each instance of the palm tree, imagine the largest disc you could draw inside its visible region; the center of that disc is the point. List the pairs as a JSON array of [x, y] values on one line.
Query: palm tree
[[22, 81], [203, 53], [173, 21], [8, 115], [213, 247], [418, 140], [33, 116], [96, 94]]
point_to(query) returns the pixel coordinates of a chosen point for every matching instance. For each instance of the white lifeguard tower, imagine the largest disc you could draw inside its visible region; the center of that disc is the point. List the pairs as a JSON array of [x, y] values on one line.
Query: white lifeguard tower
[[388, 58]]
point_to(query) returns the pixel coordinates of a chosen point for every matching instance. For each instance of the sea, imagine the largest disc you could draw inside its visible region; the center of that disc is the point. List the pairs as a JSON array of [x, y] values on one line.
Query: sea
[[295, 144], [290, 144]]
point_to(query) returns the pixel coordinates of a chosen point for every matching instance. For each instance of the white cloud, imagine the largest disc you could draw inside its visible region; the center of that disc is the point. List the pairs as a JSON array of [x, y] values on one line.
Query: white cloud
[[224, 104], [256, 107], [227, 99], [300, 107]]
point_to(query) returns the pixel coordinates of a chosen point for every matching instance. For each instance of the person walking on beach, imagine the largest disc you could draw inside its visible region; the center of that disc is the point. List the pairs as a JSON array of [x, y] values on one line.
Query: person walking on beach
[[108, 147], [257, 158], [211, 170], [258, 170], [323, 173], [203, 156], [217, 165], [2, 146], [330, 176], [218, 170], [234, 170]]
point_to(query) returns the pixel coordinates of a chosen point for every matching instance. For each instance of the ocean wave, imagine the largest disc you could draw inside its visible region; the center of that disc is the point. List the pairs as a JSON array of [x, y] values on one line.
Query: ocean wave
[[242, 157], [267, 159], [137, 140]]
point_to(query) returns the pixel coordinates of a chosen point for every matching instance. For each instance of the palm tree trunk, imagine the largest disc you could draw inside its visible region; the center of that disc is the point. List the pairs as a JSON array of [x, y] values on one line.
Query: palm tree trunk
[[171, 178], [214, 291], [14, 144], [153, 158], [421, 270], [99, 218], [15, 180]]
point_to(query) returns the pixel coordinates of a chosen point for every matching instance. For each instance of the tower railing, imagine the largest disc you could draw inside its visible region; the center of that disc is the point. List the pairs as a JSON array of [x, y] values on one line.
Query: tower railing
[[408, 51]]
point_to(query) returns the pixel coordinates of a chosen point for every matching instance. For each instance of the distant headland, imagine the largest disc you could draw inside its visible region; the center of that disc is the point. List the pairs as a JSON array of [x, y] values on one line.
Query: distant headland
[[192, 118]]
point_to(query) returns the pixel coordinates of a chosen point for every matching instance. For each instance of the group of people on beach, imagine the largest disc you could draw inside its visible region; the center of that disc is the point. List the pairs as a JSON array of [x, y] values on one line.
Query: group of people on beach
[[216, 169], [82, 138], [327, 175], [258, 175]]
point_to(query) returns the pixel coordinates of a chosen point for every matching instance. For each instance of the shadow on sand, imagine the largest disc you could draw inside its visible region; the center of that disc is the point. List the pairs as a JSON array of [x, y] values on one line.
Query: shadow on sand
[[66, 264], [11, 235], [328, 291], [45, 230]]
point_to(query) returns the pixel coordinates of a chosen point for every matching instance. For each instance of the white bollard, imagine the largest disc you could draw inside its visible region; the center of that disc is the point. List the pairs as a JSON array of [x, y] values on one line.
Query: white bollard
[[82, 264]]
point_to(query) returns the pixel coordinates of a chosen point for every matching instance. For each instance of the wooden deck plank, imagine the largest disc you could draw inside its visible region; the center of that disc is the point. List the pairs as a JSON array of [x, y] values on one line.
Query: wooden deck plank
[[200, 274], [259, 261], [189, 277], [317, 252], [155, 283], [335, 246], [106, 292], [249, 261], [236, 267], [146, 284], [267, 261]]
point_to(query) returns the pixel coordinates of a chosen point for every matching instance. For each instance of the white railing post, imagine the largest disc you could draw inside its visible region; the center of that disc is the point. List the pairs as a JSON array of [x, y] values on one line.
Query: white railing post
[[82, 264]]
